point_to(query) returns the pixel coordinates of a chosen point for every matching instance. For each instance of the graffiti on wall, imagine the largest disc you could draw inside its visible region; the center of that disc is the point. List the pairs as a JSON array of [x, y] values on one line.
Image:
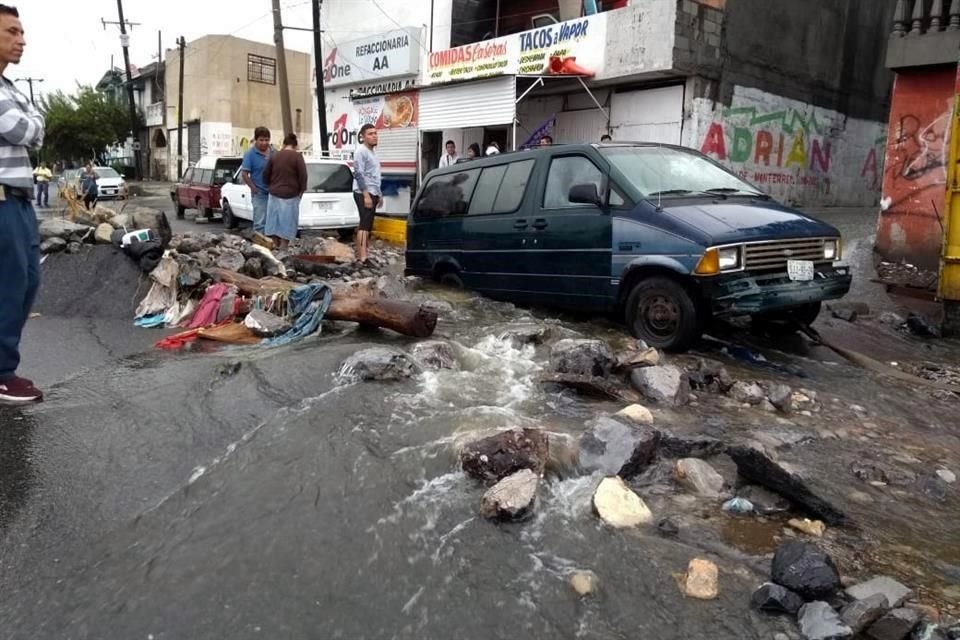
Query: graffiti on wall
[[917, 157], [786, 146], [872, 169]]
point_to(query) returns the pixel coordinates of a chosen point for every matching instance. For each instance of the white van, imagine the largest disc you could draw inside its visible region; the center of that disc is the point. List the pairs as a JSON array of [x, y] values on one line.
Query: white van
[[327, 204]]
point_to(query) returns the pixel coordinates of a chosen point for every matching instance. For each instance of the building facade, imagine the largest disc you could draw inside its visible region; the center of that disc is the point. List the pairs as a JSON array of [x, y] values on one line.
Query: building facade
[[790, 98], [230, 87], [923, 51]]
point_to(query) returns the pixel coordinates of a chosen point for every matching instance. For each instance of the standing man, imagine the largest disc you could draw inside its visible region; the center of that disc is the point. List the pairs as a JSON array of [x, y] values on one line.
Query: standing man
[[43, 176], [286, 178], [366, 186], [21, 127], [254, 162], [450, 157]]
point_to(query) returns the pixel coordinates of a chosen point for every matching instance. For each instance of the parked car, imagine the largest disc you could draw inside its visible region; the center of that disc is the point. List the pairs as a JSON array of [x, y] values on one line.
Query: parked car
[[660, 234], [110, 184], [199, 188], [327, 204]]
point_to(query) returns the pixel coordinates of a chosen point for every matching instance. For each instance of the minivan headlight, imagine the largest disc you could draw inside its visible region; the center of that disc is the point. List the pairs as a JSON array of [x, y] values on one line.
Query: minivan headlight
[[716, 260], [831, 249]]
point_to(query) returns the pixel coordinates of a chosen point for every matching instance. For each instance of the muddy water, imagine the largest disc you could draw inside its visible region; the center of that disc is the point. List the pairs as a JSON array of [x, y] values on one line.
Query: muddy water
[[302, 507]]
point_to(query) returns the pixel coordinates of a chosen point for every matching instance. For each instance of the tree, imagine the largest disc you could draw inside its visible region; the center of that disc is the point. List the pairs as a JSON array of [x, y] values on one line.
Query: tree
[[82, 125]]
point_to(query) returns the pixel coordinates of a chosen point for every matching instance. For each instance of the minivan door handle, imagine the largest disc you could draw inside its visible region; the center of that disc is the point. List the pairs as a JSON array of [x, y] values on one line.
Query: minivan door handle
[[520, 224], [540, 223]]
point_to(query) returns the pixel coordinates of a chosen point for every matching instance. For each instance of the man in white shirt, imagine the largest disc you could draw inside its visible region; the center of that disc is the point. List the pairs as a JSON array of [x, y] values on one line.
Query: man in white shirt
[[450, 157]]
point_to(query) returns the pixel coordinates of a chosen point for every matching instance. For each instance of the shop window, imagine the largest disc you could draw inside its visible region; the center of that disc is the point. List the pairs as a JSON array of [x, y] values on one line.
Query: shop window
[[566, 172], [447, 195], [261, 69]]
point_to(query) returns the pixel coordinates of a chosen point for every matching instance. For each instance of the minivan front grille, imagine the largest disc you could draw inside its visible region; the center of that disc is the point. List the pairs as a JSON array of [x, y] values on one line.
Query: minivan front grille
[[771, 256]]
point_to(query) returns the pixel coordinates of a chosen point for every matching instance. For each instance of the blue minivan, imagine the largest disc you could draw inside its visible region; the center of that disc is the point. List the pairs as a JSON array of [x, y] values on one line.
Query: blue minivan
[[660, 234]]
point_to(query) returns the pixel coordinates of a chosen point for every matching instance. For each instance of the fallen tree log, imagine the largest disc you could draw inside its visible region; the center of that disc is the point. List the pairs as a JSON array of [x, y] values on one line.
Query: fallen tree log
[[406, 318]]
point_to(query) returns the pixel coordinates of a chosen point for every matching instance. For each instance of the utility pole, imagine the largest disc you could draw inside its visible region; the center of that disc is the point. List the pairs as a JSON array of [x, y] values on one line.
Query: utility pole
[[281, 68], [30, 81], [318, 72], [182, 44], [125, 43]]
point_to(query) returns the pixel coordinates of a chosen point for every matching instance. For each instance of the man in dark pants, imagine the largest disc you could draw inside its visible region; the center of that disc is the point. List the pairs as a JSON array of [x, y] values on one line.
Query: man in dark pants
[[366, 186], [21, 127]]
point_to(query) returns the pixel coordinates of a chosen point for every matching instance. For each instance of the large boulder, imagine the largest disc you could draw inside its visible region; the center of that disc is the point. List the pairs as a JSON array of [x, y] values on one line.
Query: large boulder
[[61, 228], [894, 592], [774, 598], [378, 363], [637, 414], [818, 621], [747, 393], [582, 357], [615, 448], [512, 498], [894, 625], [699, 477], [618, 506], [860, 614], [146, 218], [757, 467], [435, 354], [664, 384], [231, 260], [806, 570], [103, 234], [493, 459]]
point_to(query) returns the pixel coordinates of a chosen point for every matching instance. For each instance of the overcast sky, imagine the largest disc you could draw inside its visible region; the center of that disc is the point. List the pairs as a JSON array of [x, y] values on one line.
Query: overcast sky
[[66, 42]]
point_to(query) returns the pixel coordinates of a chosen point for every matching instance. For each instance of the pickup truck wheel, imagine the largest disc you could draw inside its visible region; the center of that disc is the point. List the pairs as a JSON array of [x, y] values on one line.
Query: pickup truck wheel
[[661, 312], [452, 280], [787, 321], [228, 220], [181, 211]]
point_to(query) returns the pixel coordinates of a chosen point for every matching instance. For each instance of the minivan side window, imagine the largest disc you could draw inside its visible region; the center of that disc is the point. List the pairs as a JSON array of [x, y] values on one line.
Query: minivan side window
[[501, 188], [447, 195], [565, 172]]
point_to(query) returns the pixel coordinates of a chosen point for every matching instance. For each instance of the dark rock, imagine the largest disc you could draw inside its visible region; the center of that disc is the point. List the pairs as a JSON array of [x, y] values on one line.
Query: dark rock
[[615, 448], [231, 260], [764, 502], [758, 468], [860, 614], [189, 274], [892, 319], [668, 527], [673, 446], [435, 354], [74, 247], [493, 459], [53, 245], [818, 621], [776, 599], [597, 387], [265, 324], [582, 357], [512, 498], [747, 393], [877, 474], [378, 363], [253, 267], [710, 375], [805, 569], [780, 396], [894, 625], [848, 315], [919, 325], [699, 477], [892, 591], [665, 384]]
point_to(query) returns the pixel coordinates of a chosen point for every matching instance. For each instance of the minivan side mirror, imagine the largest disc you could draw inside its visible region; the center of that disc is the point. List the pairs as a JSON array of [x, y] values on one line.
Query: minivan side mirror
[[584, 194]]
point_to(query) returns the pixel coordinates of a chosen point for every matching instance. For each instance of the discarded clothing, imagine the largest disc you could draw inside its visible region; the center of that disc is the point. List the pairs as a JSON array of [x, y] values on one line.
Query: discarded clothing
[[231, 333], [163, 293], [308, 304], [209, 308], [178, 340], [179, 313], [150, 321]]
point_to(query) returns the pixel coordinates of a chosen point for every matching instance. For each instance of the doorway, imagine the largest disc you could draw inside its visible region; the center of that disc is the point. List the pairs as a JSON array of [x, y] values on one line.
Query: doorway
[[431, 150], [500, 135]]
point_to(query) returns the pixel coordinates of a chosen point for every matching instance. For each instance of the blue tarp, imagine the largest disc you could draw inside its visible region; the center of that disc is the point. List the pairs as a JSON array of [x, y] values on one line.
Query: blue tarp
[[307, 305]]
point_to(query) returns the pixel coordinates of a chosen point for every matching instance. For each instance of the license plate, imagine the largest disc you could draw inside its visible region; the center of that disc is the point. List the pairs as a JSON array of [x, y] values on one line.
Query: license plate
[[800, 270], [323, 206]]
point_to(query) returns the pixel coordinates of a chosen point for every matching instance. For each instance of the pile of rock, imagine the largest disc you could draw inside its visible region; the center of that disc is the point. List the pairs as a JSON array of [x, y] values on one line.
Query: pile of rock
[[97, 227], [805, 582]]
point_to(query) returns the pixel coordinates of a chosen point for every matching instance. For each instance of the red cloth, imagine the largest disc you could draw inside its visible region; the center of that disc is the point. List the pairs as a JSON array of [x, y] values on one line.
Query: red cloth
[[178, 340], [209, 307]]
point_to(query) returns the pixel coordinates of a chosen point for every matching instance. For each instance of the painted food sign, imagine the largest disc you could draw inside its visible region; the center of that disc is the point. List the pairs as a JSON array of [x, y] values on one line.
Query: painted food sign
[[395, 111], [574, 47]]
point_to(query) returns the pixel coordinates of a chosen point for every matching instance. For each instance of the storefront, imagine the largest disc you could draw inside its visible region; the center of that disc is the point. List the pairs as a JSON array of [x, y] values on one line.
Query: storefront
[[373, 81], [473, 94]]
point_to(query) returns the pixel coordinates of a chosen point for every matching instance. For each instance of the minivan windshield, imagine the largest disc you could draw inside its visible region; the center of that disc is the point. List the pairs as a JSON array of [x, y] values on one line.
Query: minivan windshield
[[664, 171]]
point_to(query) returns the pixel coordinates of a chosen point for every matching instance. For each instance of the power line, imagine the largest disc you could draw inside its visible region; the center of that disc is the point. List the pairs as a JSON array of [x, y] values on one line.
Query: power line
[[30, 81]]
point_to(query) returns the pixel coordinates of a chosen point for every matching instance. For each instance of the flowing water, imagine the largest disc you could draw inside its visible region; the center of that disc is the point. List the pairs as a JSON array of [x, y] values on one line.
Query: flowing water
[[187, 497]]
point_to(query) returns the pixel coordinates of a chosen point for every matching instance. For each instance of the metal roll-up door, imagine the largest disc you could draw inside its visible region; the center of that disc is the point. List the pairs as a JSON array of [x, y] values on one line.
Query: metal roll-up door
[[193, 142], [648, 115], [483, 103], [397, 150]]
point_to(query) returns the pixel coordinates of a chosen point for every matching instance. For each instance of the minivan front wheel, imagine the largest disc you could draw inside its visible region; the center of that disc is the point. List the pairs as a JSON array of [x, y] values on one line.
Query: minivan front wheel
[[661, 312]]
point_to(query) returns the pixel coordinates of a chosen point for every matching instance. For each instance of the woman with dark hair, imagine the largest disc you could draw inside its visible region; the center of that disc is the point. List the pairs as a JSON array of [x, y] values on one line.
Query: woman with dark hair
[[473, 152]]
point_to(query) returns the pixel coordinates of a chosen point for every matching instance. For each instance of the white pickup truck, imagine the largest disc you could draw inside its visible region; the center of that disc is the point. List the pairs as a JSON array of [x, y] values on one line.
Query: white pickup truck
[[327, 204]]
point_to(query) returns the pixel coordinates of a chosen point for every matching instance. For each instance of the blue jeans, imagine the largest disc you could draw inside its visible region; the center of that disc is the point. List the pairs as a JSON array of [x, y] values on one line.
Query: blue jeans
[[43, 194], [20, 274], [260, 211]]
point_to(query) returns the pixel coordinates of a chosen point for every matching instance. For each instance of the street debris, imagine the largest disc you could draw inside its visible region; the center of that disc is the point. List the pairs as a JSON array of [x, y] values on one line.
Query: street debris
[[702, 580], [377, 363], [774, 598], [591, 358], [699, 477], [584, 583], [810, 527], [806, 570], [512, 498], [617, 448], [492, 459], [636, 413], [618, 506], [663, 384]]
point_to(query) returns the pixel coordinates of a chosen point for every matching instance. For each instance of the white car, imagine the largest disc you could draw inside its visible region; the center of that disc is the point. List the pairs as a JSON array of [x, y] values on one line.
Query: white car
[[110, 184], [327, 204]]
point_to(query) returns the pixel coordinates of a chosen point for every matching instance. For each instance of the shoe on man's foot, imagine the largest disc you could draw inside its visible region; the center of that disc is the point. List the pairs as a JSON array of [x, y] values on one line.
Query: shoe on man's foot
[[17, 390]]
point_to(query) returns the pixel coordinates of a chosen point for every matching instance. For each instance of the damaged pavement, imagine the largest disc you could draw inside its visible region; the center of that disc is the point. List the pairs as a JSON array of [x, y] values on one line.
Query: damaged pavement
[[512, 473]]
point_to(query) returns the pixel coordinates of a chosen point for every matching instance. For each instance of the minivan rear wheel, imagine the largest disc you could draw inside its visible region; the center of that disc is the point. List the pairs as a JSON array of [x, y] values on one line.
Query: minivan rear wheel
[[452, 280], [661, 312]]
